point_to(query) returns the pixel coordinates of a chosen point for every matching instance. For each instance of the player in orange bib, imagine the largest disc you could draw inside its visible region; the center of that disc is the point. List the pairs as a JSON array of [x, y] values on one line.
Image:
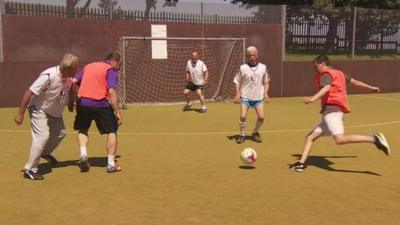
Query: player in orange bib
[[331, 89]]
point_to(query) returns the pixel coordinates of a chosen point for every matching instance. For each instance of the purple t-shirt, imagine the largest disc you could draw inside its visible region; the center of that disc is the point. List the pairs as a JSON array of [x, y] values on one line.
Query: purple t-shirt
[[112, 82]]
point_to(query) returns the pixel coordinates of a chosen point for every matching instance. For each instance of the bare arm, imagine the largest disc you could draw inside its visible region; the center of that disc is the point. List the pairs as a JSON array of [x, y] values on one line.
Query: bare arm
[[364, 85], [237, 95], [206, 77], [266, 89], [72, 94], [22, 107], [114, 104], [187, 78], [318, 95]]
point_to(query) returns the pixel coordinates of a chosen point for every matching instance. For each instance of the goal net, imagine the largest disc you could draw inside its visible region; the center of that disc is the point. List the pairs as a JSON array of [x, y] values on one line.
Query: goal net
[[147, 80]]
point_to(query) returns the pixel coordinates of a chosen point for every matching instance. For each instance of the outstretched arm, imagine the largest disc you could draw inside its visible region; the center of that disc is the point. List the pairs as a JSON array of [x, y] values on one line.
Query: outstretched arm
[[364, 85], [317, 96]]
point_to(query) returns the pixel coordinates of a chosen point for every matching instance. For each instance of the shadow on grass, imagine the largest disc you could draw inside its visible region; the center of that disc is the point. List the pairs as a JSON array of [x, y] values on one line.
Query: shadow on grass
[[46, 168], [247, 137], [323, 163], [191, 109], [247, 167]]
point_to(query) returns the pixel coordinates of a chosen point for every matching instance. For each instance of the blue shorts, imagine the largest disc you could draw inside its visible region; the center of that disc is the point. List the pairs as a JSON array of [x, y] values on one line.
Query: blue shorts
[[251, 103]]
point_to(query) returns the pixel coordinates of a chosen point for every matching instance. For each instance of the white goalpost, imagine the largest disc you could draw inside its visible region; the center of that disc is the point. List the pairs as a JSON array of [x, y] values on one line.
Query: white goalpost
[[148, 79]]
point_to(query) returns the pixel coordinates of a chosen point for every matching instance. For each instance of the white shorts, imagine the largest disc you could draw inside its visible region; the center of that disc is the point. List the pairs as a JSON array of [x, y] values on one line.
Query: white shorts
[[332, 124]]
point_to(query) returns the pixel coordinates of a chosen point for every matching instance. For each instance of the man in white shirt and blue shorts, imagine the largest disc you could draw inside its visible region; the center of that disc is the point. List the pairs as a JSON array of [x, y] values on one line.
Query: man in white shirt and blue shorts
[[252, 86], [196, 77]]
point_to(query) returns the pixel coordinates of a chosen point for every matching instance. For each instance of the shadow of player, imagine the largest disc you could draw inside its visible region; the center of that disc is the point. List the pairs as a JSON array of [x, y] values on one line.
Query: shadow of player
[[323, 163], [234, 137], [46, 168], [192, 109]]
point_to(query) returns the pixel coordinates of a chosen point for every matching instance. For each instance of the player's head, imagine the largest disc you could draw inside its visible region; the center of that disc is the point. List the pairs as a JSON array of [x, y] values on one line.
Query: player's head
[[321, 62], [195, 56], [252, 55], [115, 59], [69, 65]]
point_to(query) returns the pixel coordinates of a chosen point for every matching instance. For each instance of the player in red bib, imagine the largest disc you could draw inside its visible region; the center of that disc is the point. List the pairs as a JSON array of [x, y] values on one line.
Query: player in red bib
[[331, 89]]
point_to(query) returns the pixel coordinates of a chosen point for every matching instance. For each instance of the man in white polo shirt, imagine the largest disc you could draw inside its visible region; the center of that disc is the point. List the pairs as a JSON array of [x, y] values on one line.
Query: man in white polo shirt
[[252, 85], [45, 100], [196, 77]]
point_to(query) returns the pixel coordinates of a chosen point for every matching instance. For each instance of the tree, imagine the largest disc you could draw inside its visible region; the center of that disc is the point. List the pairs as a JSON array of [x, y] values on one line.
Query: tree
[[110, 6], [334, 12], [71, 5], [152, 4]]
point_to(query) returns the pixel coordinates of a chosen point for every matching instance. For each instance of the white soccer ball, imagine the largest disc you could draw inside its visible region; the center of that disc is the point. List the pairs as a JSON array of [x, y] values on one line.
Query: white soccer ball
[[248, 155]]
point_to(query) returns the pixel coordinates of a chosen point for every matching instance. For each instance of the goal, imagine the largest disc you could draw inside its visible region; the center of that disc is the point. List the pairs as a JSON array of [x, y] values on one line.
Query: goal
[[148, 80]]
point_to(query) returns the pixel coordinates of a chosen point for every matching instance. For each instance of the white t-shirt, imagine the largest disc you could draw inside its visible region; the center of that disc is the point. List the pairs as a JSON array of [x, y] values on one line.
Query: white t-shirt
[[251, 81], [196, 71], [50, 92]]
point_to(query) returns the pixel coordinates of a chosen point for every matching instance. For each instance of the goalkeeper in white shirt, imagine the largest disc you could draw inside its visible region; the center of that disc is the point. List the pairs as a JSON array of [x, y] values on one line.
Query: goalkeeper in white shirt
[[196, 77]]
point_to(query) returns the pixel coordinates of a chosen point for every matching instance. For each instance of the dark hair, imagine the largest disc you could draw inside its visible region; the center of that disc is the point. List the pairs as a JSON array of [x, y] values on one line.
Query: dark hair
[[115, 55], [322, 59]]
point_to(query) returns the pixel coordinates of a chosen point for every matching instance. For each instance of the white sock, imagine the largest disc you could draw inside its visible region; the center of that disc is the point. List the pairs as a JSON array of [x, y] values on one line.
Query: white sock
[[258, 125], [111, 160], [83, 150], [203, 107], [242, 125]]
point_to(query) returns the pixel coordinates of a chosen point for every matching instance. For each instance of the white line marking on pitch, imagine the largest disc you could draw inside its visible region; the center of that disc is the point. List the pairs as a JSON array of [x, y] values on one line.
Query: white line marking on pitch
[[382, 98], [222, 132]]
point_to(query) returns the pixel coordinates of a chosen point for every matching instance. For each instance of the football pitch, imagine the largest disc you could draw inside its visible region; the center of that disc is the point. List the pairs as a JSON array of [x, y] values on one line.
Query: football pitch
[[184, 168]]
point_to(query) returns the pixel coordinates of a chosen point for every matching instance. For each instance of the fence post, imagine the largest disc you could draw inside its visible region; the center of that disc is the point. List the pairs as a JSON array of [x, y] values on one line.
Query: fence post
[[2, 12], [353, 45], [283, 24]]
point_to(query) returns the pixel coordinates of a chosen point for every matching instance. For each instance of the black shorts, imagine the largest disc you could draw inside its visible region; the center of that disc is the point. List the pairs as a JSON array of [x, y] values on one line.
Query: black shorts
[[193, 87], [105, 119]]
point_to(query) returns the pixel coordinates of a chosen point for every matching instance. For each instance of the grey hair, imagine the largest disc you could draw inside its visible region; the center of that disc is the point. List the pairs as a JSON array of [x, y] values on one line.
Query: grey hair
[[251, 49], [69, 61]]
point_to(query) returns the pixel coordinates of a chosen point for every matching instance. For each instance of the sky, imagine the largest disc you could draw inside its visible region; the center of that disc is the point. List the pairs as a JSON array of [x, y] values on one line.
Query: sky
[[211, 7]]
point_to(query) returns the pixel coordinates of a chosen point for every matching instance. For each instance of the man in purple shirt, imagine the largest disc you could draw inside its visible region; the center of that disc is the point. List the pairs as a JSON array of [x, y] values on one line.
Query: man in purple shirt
[[98, 101]]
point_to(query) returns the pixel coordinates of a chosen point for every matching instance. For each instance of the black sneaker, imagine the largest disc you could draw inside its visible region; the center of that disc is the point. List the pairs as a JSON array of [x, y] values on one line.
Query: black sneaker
[[297, 166], [381, 143], [240, 139], [84, 163], [257, 137], [50, 159], [31, 175]]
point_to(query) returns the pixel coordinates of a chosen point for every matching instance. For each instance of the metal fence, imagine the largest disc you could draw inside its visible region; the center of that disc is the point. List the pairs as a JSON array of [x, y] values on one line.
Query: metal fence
[[195, 16], [342, 30], [307, 29]]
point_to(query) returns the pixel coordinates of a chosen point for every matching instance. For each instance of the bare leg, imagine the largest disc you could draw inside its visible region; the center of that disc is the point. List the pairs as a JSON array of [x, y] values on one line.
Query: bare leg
[[112, 144], [313, 136], [242, 119], [260, 117], [83, 138], [186, 94], [201, 97], [342, 139]]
